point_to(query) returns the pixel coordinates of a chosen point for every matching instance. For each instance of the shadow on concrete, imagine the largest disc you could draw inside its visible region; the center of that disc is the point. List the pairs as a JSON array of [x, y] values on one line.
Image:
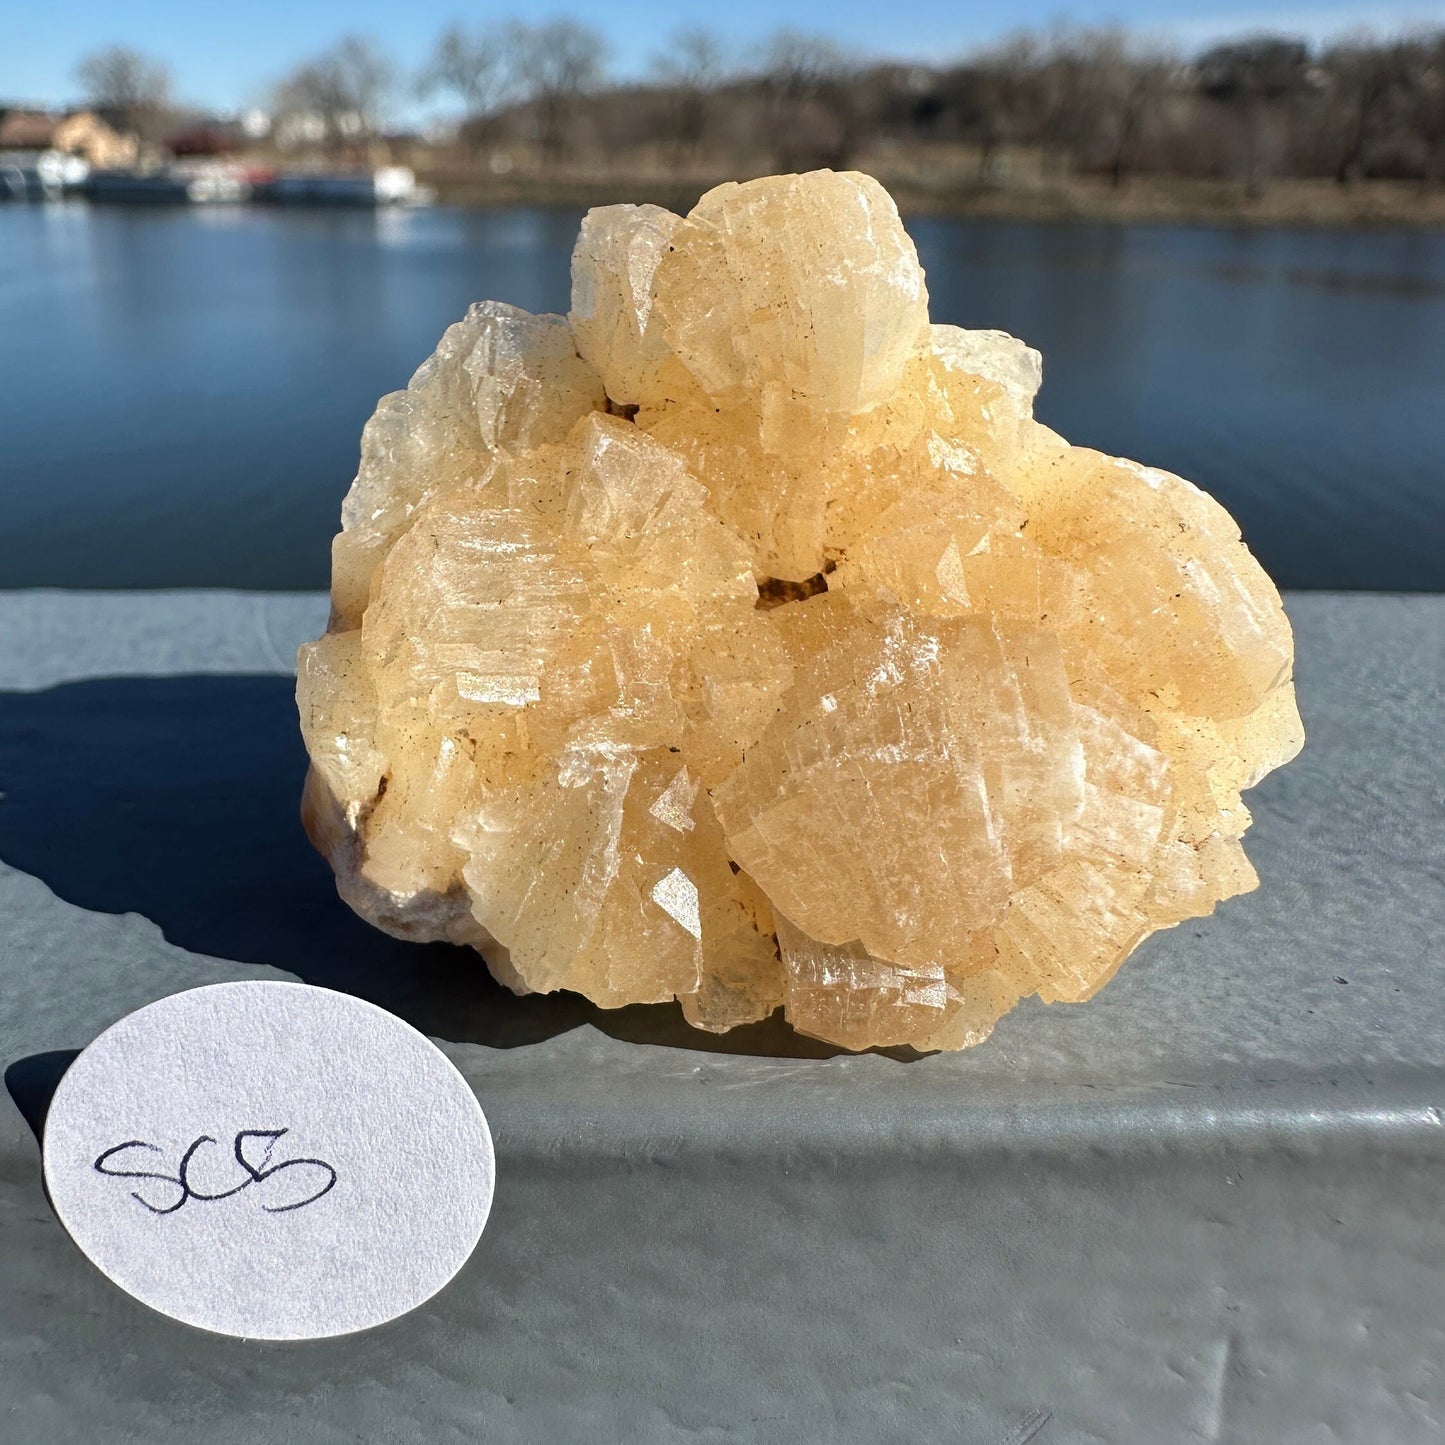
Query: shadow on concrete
[[32, 1083], [177, 798]]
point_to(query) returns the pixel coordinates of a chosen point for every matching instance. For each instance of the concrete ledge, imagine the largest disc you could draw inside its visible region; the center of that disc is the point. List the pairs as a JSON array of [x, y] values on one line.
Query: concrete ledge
[[1201, 1207]]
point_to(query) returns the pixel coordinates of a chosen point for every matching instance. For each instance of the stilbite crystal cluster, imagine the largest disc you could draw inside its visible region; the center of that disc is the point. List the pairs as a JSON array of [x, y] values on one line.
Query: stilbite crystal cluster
[[740, 638]]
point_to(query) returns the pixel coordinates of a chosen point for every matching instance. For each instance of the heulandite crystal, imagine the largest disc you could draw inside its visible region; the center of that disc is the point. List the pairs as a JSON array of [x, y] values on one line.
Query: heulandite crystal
[[740, 638]]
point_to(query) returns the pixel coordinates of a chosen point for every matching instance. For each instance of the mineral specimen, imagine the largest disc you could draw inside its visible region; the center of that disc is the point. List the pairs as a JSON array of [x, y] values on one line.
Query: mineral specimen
[[741, 638]]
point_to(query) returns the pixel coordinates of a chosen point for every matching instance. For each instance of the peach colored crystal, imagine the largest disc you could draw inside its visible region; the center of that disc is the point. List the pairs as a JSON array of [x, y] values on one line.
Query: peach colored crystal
[[741, 639]]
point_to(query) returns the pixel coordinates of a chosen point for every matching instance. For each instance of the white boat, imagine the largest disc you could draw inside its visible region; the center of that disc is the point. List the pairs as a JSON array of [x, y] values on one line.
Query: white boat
[[40, 175]]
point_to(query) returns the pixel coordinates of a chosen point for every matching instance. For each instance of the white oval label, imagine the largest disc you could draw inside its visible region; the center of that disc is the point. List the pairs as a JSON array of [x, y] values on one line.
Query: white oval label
[[270, 1160]]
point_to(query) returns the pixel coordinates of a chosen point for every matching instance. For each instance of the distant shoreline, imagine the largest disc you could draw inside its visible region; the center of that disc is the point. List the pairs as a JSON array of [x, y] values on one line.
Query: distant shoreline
[[1144, 201]]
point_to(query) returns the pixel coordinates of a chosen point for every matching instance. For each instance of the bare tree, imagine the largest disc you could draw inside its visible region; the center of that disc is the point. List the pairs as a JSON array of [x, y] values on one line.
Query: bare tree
[[305, 108], [1426, 104], [810, 79], [132, 88], [555, 63], [472, 67], [799, 67], [1362, 83], [1255, 79], [994, 97], [1088, 99], [366, 78], [693, 65], [341, 95], [1083, 96], [1118, 90], [1062, 97]]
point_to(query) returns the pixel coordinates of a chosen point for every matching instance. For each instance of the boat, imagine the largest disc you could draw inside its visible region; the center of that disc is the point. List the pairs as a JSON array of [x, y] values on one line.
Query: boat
[[385, 186], [45, 175], [40, 175], [170, 185]]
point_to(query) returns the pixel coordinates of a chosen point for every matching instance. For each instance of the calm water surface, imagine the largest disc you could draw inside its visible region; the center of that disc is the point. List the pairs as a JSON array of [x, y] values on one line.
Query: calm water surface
[[182, 391]]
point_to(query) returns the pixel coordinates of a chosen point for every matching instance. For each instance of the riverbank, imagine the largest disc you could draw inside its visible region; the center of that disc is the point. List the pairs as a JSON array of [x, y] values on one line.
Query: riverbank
[[1151, 200]]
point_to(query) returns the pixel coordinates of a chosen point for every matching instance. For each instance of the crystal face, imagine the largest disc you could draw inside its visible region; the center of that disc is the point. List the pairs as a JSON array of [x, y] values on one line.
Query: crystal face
[[740, 638]]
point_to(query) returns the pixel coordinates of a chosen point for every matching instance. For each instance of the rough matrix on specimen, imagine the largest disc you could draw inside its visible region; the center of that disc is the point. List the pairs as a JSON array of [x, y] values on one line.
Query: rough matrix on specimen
[[740, 638]]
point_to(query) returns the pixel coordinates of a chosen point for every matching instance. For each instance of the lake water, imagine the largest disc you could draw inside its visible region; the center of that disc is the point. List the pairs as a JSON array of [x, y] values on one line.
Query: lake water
[[182, 391]]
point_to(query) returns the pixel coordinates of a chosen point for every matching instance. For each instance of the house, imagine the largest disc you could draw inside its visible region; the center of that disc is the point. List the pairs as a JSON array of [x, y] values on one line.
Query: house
[[76, 132]]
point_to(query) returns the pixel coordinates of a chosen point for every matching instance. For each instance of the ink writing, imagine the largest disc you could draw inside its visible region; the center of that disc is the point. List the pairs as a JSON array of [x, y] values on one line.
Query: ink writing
[[304, 1181]]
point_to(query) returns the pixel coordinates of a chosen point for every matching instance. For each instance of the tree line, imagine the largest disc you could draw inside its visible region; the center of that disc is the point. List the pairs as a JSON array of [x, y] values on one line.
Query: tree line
[[1078, 101]]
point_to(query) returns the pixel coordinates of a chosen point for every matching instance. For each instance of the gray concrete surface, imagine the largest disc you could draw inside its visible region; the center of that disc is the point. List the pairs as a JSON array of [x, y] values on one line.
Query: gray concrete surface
[[1202, 1207]]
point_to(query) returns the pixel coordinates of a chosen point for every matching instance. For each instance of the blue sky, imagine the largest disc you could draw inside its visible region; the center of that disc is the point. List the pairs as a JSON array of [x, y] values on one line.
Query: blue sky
[[225, 54]]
